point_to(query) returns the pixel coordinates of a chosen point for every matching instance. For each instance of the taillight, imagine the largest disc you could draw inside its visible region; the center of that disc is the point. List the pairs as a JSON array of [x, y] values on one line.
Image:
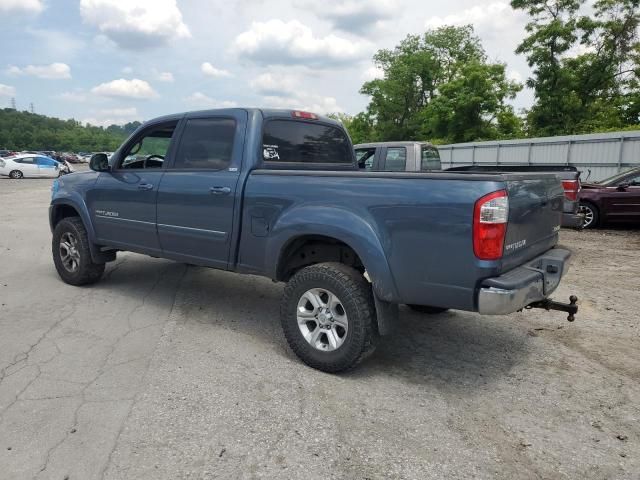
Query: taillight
[[490, 216], [571, 189], [305, 115]]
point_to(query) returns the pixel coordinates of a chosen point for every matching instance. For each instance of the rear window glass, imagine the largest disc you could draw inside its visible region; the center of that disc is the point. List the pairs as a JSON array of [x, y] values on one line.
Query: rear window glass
[[396, 159], [304, 142], [430, 159]]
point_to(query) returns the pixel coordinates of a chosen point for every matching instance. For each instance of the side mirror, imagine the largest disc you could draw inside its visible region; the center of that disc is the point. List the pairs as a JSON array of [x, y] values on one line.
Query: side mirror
[[623, 186], [99, 162]]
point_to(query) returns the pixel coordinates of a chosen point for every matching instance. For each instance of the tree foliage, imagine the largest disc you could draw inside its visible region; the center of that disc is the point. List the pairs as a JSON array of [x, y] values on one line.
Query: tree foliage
[[585, 67], [438, 86], [29, 131]]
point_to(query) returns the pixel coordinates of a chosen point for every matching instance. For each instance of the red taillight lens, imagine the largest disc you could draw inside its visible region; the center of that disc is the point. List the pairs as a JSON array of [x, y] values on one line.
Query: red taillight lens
[[571, 189], [305, 115], [490, 216]]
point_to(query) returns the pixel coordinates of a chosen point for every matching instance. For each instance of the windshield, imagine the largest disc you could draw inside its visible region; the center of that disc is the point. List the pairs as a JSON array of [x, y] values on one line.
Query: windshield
[[615, 179]]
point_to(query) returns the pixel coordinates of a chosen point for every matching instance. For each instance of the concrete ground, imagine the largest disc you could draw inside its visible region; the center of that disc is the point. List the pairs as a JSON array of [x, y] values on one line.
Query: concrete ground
[[167, 371]]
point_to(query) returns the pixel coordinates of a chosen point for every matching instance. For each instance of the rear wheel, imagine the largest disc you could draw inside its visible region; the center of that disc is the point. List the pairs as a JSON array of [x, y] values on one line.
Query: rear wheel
[[591, 214], [71, 254], [16, 174], [427, 309], [327, 315]]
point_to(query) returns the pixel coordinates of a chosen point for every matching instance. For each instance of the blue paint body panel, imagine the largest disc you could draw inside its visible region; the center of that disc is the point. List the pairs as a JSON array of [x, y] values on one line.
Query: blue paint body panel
[[413, 232]]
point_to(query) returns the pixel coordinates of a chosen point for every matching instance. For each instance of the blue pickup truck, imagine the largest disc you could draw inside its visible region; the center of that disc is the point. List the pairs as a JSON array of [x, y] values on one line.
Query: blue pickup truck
[[278, 193]]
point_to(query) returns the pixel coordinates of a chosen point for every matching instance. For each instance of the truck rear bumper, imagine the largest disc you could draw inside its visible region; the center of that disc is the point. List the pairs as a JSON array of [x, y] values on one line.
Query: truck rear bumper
[[572, 220], [522, 286]]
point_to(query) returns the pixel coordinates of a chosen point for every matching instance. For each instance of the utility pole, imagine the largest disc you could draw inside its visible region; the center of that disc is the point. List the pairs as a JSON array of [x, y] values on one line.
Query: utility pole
[[13, 103], [31, 109]]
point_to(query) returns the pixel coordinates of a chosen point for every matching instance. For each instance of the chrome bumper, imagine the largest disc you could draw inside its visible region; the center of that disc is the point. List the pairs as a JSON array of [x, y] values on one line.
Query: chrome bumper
[[522, 286]]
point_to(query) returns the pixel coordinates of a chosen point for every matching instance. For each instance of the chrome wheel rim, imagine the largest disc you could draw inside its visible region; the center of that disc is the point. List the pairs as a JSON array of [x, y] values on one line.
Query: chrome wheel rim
[[69, 254], [322, 319], [588, 215], [16, 174]]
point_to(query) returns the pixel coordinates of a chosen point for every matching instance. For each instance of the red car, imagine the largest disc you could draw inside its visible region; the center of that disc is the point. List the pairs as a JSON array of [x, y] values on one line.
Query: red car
[[615, 199]]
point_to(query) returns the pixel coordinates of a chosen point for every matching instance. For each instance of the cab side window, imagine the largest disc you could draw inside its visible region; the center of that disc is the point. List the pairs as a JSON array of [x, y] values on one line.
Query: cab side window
[[430, 159], [365, 157], [150, 149], [206, 144]]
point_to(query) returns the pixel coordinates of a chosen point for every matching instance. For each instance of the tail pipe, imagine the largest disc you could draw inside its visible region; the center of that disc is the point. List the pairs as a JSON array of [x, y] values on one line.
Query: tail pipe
[[547, 304]]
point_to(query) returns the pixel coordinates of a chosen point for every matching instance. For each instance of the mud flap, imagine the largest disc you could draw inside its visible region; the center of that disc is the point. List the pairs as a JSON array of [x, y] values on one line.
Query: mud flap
[[386, 315]]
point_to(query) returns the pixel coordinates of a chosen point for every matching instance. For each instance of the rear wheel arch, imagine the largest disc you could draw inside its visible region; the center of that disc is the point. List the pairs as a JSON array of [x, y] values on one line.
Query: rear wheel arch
[[584, 207]]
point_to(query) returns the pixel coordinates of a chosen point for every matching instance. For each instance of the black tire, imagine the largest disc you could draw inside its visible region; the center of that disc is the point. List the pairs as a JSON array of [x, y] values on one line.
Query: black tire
[[590, 211], [16, 174], [86, 271], [427, 309], [356, 300]]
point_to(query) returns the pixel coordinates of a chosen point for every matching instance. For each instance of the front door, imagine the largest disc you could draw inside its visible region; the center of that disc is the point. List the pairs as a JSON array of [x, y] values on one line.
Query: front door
[[123, 201], [624, 200], [198, 193]]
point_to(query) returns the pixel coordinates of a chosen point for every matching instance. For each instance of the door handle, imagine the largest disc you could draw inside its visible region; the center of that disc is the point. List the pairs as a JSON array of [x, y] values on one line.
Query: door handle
[[220, 190], [145, 186]]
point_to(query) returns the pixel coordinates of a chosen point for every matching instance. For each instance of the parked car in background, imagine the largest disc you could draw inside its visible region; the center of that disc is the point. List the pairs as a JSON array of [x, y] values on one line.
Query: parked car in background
[[614, 199], [6, 153], [423, 156], [27, 165]]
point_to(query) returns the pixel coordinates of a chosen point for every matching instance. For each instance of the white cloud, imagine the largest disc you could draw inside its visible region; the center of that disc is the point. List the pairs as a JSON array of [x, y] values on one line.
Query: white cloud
[[202, 101], [55, 71], [7, 90], [271, 85], [373, 73], [514, 76], [214, 72], [137, 89], [112, 116], [136, 24], [278, 43], [354, 15], [76, 96], [26, 6], [307, 102], [165, 77]]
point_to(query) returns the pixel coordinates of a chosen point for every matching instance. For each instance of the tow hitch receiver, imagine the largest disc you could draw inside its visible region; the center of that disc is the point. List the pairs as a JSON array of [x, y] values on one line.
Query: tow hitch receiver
[[571, 308]]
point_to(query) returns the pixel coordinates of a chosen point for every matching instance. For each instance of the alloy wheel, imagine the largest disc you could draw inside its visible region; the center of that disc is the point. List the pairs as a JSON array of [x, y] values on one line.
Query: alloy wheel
[[322, 319]]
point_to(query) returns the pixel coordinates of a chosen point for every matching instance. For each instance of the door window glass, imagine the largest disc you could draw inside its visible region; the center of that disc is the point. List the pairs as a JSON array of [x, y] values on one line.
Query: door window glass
[[46, 162], [430, 159], [26, 160], [207, 143], [305, 142], [149, 150], [396, 159], [633, 181], [364, 157]]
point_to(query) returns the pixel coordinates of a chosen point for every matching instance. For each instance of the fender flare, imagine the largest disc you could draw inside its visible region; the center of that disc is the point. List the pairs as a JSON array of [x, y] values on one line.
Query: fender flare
[[75, 201], [356, 231]]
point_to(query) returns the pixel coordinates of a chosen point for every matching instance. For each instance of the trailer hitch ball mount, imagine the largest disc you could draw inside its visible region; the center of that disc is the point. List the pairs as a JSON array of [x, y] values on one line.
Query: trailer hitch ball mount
[[547, 304]]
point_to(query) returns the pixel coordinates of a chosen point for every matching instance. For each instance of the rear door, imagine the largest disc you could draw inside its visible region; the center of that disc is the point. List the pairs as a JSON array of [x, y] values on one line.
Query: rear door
[[198, 193], [28, 166]]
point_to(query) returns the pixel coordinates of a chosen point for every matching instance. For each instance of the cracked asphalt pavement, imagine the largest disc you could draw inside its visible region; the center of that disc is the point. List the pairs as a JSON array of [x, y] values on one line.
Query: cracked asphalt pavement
[[167, 371]]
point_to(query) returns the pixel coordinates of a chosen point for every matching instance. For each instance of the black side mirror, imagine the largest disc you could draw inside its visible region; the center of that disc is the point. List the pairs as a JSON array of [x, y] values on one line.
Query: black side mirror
[[623, 186], [99, 162]]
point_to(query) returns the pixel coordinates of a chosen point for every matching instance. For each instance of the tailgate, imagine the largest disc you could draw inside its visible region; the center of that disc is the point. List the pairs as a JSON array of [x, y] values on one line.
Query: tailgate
[[535, 213]]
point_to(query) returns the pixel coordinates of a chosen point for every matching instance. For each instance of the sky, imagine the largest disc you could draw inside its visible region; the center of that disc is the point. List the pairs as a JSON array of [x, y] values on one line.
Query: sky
[[115, 61]]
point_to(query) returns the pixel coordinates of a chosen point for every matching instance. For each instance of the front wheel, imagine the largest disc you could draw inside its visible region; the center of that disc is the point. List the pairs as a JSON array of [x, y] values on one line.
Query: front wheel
[[327, 315], [71, 254], [591, 214], [16, 174]]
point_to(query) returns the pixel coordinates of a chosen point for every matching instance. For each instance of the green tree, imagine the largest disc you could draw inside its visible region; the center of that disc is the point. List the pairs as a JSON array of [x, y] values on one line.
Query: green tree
[[438, 86], [585, 67]]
